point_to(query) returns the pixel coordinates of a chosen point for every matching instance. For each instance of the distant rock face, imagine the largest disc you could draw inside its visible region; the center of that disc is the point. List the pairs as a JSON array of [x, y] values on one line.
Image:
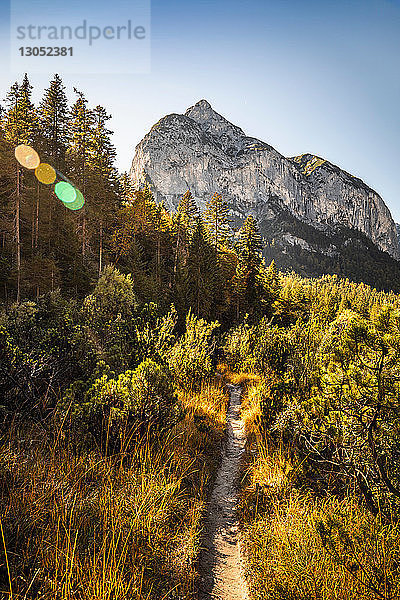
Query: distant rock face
[[205, 153]]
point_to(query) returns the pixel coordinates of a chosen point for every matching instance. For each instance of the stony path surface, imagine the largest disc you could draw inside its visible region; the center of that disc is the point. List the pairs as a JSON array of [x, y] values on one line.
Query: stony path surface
[[220, 561]]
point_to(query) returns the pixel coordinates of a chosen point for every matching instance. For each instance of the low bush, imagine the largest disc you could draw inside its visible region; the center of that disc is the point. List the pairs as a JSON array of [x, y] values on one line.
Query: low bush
[[88, 526], [190, 359], [115, 411], [310, 549]]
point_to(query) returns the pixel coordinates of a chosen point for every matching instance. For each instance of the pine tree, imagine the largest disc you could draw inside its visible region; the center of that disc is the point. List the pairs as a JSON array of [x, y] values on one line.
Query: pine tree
[[183, 223], [227, 268], [20, 127], [126, 250], [145, 209], [201, 272], [102, 152], [102, 175], [217, 221], [239, 288], [272, 279], [81, 126], [126, 188], [158, 245], [135, 218], [250, 289], [7, 214], [54, 118], [188, 208], [19, 118], [158, 233]]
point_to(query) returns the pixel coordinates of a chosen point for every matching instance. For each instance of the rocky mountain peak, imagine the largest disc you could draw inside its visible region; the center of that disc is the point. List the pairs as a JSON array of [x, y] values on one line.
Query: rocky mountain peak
[[203, 105], [204, 152], [228, 135]]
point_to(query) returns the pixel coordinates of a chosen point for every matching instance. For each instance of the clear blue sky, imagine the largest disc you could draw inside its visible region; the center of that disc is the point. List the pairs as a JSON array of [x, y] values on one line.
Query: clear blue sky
[[302, 75]]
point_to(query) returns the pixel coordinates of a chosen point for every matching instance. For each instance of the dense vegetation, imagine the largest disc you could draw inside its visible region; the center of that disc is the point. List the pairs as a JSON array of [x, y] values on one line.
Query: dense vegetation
[[112, 412], [110, 324], [111, 425], [320, 506]]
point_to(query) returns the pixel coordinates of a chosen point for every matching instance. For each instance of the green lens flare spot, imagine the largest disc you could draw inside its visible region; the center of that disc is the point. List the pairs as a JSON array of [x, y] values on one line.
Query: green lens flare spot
[[45, 173], [78, 203], [27, 156], [65, 192]]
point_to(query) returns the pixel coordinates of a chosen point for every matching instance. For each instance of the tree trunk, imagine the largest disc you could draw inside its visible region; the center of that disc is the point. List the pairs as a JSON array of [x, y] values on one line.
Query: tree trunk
[[18, 235], [50, 220], [159, 259], [84, 183], [198, 291], [37, 218], [367, 494], [84, 233], [101, 248], [33, 230], [176, 251]]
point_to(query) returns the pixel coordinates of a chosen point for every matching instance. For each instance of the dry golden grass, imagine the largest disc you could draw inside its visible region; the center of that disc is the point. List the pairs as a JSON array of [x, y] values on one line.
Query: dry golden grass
[[250, 411], [288, 559], [250, 406], [243, 379], [299, 547], [90, 527]]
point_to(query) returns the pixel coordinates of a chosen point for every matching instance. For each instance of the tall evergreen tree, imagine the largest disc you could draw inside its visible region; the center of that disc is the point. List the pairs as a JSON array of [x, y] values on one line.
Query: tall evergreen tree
[[217, 220], [20, 127], [126, 188], [54, 118], [102, 176], [249, 284], [201, 272], [19, 117], [188, 208], [184, 222], [81, 126], [272, 278], [7, 215]]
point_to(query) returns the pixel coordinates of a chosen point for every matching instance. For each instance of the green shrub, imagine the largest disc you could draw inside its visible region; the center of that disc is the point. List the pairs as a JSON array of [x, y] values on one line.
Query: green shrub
[[115, 409], [261, 348], [42, 349], [303, 548], [190, 359], [154, 333], [112, 297], [272, 348], [238, 345]]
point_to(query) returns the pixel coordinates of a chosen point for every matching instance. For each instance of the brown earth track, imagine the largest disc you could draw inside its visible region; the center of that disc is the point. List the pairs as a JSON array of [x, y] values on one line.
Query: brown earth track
[[220, 562]]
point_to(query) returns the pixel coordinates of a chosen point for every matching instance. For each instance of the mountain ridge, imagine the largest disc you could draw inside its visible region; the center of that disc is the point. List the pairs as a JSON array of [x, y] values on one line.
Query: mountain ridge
[[202, 151]]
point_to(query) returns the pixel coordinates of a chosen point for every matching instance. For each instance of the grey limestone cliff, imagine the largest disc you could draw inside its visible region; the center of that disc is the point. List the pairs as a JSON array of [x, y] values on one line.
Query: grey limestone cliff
[[205, 153]]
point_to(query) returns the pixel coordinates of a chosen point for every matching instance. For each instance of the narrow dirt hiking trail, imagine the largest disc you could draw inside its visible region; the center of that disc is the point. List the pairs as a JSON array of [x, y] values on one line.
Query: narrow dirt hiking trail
[[220, 561]]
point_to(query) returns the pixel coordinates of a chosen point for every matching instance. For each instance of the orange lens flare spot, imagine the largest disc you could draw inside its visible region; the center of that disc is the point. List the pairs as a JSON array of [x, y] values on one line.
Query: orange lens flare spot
[[45, 173], [27, 156]]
